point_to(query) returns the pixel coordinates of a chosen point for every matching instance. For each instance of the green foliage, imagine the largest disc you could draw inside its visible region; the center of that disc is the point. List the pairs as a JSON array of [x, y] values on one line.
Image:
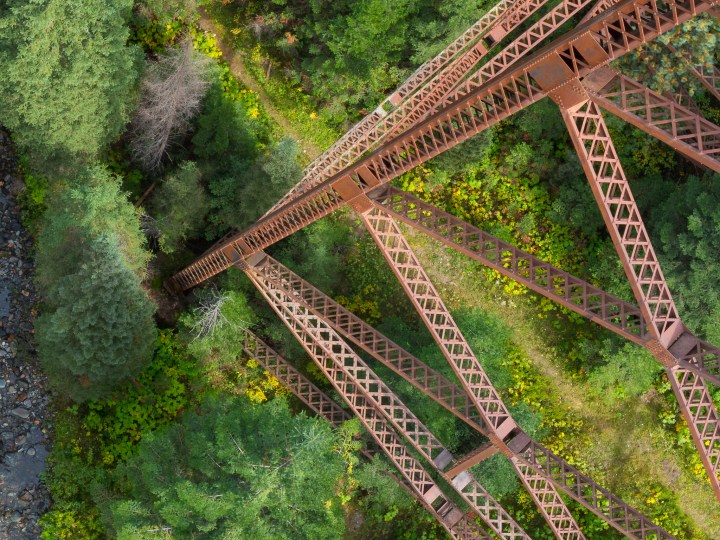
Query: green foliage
[[695, 43], [223, 129], [99, 435], [626, 374], [164, 9], [217, 342], [346, 55], [159, 394], [68, 92], [232, 471], [244, 193], [91, 207], [688, 229], [179, 206], [388, 511], [32, 199], [71, 523], [96, 328]]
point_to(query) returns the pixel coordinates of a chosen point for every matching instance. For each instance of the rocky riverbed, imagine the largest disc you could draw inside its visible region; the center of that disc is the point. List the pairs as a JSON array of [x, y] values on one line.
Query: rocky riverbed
[[23, 395]]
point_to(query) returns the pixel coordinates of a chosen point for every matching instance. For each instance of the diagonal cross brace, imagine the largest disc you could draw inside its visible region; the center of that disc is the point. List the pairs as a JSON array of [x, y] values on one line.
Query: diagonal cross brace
[[326, 407], [351, 376], [519, 446], [622, 216], [621, 317]]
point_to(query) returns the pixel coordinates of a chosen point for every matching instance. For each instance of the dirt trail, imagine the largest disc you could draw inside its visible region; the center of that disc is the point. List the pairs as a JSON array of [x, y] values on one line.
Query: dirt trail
[[235, 61]]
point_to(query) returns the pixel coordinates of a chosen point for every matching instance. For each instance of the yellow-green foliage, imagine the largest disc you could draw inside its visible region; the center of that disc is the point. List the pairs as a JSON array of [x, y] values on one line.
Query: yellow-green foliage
[[71, 524], [155, 398]]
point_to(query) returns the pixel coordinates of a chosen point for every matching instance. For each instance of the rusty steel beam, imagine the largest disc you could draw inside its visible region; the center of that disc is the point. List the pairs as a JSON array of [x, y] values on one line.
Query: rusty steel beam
[[605, 37], [421, 77], [621, 317], [657, 115], [407, 366], [508, 437], [471, 459], [519, 48], [350, 375], [542, 277], [296, 382], [412, 369], [622, 217], [709, 77], [323, 405], [612, 191], [416, 99]]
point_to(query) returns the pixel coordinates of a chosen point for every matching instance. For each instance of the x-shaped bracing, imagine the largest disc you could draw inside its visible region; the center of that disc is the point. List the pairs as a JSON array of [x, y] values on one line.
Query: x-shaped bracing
[[570, 72]]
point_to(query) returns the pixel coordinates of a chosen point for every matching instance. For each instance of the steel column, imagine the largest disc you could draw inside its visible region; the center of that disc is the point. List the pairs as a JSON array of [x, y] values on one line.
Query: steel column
[[612, 191]]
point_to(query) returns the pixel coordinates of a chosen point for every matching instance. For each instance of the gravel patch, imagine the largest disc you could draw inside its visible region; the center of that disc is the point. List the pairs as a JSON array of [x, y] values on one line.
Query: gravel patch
[[24, 412]]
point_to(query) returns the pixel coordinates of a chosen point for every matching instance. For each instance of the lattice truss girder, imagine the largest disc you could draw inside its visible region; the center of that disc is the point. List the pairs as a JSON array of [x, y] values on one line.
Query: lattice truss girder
[[352, 377], [508, 437], [603, 38], [622, 216], [574, 293], [412, 102], [684, 130], [412, 369]]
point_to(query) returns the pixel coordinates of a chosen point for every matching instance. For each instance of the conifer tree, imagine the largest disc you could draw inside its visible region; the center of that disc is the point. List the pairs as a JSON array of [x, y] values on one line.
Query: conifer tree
[[96, 328], [68, 77], [237, 470]]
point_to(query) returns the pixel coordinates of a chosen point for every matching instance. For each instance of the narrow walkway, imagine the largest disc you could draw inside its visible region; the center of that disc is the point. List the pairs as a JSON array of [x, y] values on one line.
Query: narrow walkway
[[237, 67], [23, 395]]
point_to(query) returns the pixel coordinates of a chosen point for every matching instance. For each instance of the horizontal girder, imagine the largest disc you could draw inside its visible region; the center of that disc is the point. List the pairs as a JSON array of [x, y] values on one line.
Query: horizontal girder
[[608, 36]]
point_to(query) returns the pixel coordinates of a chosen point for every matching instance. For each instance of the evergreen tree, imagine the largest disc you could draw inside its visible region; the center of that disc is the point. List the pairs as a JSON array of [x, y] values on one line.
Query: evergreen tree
[[688, 227], [237, 470], [179, 207], [96, 328], [245, 193], [68, 75], [223, 128]]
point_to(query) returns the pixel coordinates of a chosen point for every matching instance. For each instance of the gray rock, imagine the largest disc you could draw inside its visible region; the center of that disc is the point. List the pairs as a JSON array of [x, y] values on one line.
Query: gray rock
[[4, 302], [20, 412]]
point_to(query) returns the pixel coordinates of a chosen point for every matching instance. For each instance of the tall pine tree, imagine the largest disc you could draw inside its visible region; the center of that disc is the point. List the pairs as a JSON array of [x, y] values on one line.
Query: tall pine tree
[[96, 328]]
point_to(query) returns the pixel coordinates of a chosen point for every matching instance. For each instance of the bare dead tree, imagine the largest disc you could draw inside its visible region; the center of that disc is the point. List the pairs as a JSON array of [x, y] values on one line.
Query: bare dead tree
[[209, 315], [172, 91]]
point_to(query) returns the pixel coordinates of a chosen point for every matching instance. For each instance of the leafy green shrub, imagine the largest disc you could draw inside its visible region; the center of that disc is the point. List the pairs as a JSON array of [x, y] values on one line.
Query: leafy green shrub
[[159, 394], [32, 200], [179, 207], [71, 522]]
